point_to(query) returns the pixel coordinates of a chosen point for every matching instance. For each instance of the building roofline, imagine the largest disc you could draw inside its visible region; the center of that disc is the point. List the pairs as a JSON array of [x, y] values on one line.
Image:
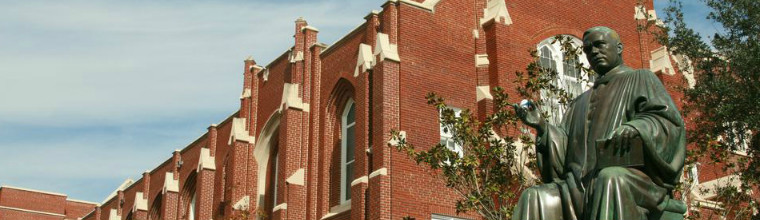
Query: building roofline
[[33, 190], [32, 211], [343, 39], [83, 201]]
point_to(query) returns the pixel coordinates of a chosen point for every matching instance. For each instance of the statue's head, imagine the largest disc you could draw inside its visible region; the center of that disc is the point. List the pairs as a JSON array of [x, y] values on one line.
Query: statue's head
[[603, 49]]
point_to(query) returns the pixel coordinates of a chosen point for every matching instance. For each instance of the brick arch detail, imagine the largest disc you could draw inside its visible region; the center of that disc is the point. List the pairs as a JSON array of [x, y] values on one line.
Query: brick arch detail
[[262, 153], [342, 91], [554, 31]]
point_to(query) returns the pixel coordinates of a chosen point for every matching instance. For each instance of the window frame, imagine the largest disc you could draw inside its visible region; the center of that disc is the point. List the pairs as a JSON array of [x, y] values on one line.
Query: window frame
[[191, 207], [344, 164], [564, 80], [447, 137]]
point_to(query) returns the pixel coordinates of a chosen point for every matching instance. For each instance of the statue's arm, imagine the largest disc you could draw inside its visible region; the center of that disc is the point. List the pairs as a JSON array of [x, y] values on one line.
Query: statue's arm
[[551, 147], [660, 127]]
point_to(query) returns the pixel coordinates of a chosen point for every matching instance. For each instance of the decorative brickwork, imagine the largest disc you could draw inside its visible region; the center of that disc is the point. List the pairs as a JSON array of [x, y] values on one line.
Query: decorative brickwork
[[291, 108]]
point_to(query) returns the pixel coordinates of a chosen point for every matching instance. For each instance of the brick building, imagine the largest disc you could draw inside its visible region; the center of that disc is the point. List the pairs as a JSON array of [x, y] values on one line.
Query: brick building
[[28, 204], [310, 138]]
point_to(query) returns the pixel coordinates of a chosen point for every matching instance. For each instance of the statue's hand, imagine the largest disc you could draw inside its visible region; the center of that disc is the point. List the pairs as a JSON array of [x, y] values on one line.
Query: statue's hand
[[623, 137], [531, 116]]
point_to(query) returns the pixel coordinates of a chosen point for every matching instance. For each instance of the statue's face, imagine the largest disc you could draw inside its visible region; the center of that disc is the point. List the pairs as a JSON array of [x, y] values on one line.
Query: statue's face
[[602, 51]]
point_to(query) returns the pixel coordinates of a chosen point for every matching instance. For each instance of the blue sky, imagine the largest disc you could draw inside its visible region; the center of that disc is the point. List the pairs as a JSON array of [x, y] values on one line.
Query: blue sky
[[94, 92]]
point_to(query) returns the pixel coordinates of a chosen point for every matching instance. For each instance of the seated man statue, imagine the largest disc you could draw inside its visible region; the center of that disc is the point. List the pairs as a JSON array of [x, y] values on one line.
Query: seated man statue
[[627, 110]]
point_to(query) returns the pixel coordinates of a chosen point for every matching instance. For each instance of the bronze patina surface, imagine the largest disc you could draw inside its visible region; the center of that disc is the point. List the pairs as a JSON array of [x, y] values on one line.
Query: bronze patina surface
[[627, 113]]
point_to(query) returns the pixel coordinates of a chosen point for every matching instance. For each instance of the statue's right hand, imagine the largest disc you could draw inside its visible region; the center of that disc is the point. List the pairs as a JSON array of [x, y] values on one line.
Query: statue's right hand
[[530, 116]]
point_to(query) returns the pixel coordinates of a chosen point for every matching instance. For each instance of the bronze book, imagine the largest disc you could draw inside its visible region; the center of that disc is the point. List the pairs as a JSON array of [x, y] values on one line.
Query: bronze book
[[609, 156]]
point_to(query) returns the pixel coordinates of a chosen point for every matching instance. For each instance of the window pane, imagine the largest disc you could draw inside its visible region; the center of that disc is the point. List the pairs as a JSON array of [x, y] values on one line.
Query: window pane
[[351, 118], [350, 143], [546, 60], [349, 178]]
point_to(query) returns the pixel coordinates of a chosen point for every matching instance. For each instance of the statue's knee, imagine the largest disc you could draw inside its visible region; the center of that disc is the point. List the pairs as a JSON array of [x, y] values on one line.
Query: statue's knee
[[610, 173], [532, 192]]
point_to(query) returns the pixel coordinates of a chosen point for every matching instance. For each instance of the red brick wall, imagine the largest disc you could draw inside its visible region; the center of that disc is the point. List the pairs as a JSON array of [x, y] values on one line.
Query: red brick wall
[[22, 215], [28, 200], [76, 210], [437, 51]]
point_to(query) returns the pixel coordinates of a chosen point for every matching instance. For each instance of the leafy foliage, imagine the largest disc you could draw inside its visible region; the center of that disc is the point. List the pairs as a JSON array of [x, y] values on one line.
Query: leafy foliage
[[723, 102], [498, 152]]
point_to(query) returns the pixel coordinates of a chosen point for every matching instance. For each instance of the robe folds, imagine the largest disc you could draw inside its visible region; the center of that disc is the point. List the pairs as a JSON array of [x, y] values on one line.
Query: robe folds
[[576, 187]]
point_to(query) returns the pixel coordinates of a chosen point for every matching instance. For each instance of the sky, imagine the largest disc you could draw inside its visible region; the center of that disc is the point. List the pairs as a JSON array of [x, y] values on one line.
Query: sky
[[95, 92]]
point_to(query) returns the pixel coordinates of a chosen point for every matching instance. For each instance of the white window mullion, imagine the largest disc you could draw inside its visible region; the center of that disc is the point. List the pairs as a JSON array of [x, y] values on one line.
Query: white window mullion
[[348, 122]]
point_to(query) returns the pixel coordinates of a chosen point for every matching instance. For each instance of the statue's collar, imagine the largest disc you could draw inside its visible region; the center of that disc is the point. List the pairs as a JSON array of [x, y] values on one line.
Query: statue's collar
[[612, 74]]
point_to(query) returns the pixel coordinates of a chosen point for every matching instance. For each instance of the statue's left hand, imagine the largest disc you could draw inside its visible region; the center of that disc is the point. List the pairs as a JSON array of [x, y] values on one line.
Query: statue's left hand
[[623, 137]]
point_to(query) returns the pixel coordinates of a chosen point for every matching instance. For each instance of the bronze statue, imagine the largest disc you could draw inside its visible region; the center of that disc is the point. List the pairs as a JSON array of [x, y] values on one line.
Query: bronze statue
[[627, 114]]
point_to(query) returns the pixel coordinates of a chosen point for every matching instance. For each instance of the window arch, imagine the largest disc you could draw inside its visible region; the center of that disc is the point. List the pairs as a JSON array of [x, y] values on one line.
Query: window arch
[[569, 77], [191, 208], [348, 145], [188, 197]]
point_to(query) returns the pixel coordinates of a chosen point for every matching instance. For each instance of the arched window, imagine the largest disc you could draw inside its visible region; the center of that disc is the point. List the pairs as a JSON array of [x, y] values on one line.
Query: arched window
[[569, 77], [348, 143], [191, 208], [275, 172]]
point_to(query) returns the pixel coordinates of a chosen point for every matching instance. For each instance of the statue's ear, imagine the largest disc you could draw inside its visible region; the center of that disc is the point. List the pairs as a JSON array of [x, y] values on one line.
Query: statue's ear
[[620, 48]]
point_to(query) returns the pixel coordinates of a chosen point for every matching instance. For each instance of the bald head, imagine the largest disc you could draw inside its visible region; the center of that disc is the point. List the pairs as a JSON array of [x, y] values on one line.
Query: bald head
[[608, 32], [603, 49]]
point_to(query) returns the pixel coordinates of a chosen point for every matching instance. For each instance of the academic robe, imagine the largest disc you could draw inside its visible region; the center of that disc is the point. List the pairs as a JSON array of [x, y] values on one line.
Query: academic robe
[[576, 188]]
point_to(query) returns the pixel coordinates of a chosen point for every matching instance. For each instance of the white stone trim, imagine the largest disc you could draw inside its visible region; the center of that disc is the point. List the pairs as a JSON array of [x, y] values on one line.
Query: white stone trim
[[297, 178], [82, 201], [340, 208], [337, 210], [255, 69], [660, 61], [652, 15], [309, 28], [428, 5], [246, 94], [239, 133], [394, 141], [496, 10], [290, 98], [170, 184], [31, 211], [114, 215], [483, 92], [283, 206], [265, 74], [382, 171], [481, 60], [706, 190], [475, 33], [364, 60], [32, 190], [639, 12], [206, 161], [385, 49], [242, 204], [298, 56], [359, 180], [140, 202], [128, 182]]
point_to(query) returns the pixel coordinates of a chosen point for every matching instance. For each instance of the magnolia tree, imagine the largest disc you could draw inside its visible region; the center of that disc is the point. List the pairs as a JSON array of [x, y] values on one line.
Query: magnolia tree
[[723, 100], [493, 167]]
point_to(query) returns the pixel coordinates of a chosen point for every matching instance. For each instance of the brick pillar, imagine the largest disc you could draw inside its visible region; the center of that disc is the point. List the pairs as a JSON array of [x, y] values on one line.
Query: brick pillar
[[169, 204], [290, 147], [385, 116], [204, 190], [140, 215], [312, 157], [237, 171]]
